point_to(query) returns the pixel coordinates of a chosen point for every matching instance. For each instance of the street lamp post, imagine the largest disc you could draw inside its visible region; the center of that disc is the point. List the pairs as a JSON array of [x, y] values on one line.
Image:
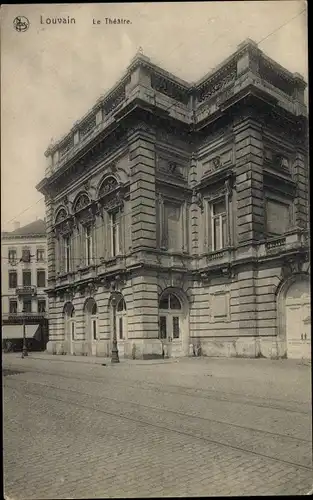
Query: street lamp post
[[24, 349], [114, 358]]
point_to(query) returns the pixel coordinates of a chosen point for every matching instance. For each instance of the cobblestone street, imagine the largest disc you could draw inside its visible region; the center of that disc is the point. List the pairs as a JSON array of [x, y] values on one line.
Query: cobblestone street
[[194, 427]]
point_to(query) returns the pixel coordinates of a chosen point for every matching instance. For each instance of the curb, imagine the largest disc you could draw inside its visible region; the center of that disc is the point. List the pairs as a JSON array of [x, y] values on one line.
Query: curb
[[106, 361]]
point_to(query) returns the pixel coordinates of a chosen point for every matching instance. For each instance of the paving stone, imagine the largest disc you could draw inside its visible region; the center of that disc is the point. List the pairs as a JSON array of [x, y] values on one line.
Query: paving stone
[[72, 430]]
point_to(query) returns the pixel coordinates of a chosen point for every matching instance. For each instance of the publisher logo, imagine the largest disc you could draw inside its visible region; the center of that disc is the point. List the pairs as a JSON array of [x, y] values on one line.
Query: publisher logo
[[21, 23]]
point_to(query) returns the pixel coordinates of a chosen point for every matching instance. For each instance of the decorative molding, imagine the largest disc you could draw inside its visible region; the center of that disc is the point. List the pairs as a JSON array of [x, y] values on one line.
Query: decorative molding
[[218, 83], [82, 202], [197, 199]]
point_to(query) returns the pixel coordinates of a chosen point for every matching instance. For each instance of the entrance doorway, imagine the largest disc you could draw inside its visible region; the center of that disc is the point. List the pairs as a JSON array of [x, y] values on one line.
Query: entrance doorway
[[91, 325], [172, 324], [298, 320], [69, 325]]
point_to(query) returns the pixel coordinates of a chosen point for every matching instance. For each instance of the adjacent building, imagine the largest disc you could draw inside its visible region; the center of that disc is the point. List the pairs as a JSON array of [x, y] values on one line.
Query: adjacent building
[[24, 280], [191, 202]]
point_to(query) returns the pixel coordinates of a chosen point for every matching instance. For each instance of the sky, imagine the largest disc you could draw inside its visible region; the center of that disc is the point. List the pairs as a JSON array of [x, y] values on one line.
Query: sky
[[51, 75]]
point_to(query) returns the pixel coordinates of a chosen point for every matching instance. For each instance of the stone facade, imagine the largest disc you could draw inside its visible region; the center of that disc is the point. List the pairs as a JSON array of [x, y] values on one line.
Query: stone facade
[[191, 202], [23, 283]]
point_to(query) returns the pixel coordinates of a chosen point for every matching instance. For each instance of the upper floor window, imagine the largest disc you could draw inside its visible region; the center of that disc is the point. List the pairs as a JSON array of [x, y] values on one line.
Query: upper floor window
[[278, 217], [26, 255], [27, 305], [12, 279], [40, 255], [67, 253], [172, 227], [115, 233], [12, 255], [219, 225], [88, 245], [13, 306], [41, 279], [27, 278], [41, 306]]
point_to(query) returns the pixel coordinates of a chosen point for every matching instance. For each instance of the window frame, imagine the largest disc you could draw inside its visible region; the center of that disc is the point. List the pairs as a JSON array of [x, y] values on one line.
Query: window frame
[[39, 251], [14, 273], [67, 253], [45, 278], [26, 272], [12, 260], [42, 301], [115, 229], [88, 244], [168, 203], [221, 217], [13, 301], [27, 301]]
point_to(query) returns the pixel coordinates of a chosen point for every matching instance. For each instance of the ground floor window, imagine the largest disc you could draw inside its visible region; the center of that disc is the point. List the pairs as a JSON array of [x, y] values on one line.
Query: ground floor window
[[170, 316], [121, 319]]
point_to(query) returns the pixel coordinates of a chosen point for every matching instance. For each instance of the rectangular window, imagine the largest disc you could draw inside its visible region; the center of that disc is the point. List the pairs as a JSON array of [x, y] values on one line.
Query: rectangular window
[[175, 327], [88, 245], [26, 255], [94, 329], [12, 279], [41, 306], [162, 327], [27, 278], [27, 306], [12, 256], [115, 233], [73, 330], [172, 230], [219, 225], [40, 255], [120, 321], [277, 217], [13, 306], [41, 279], [67, 254]]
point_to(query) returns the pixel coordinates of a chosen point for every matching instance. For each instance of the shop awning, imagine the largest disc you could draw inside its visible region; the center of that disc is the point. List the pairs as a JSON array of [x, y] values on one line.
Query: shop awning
[[16, 331]]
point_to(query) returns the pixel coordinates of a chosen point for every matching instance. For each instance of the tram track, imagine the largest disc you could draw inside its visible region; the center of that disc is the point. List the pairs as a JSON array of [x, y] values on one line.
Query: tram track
[[144, 423], [166, 410], [184, 391]]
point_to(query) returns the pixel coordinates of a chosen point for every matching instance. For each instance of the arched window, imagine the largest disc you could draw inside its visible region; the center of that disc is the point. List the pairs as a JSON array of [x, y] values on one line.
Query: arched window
[[91, 318], [170, 309], [82, 201], [121, 306], [121, 319], [169, 301], [69, 320], [61, 215], [107, 186]]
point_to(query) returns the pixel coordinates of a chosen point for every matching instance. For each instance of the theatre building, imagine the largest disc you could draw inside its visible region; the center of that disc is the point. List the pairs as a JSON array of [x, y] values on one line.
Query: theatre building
[[191, 202]]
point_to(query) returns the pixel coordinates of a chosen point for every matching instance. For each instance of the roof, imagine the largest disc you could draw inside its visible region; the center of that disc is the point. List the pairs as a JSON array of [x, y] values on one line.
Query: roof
[[38, 228], [142, 60]]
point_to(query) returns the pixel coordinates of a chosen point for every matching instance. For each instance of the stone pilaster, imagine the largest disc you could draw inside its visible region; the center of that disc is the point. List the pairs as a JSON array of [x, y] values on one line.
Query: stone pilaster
[[142, 189], [249, 181], [301, 200], [247, 316], [143, 329], [50, 240]]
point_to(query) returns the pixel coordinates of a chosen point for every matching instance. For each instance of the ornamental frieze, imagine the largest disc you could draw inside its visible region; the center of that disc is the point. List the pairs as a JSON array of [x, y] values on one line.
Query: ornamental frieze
[[218, 85]]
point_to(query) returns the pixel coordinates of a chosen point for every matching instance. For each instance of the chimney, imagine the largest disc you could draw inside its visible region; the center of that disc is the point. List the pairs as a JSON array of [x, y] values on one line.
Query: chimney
[[16, 225]]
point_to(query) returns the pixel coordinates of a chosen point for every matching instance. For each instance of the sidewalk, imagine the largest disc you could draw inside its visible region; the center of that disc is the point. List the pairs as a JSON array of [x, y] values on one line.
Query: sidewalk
[[97, 360]]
